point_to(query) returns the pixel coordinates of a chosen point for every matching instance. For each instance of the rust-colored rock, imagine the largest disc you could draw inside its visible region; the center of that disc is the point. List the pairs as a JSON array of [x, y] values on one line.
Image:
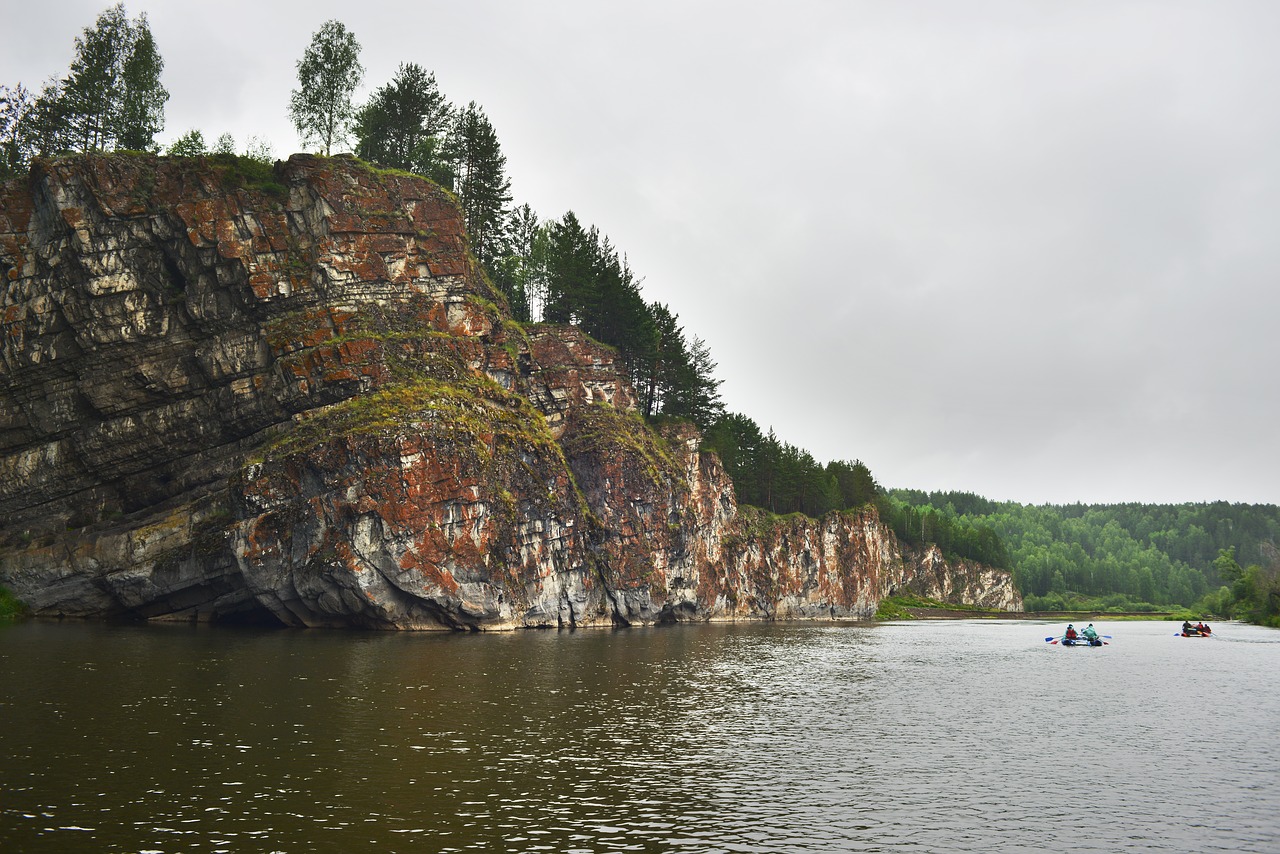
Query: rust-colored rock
[[292, 396]]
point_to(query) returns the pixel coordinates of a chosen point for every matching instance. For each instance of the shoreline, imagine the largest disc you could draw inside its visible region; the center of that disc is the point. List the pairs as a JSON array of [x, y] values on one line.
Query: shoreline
[[1048, 616]]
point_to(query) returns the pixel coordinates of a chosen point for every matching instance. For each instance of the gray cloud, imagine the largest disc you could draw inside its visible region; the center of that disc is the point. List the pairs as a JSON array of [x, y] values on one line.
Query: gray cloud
[[1024, 249]]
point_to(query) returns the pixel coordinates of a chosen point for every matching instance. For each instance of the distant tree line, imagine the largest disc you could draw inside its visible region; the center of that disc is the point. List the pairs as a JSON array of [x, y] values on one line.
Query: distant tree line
[[955, 536], [782, 478], [1248, 592], [1130, 556]]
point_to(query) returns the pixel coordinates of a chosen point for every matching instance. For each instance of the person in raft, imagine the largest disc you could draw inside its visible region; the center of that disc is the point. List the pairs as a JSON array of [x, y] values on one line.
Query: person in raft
[[1090, 633], [1202, 628], [1187, 628], [1071, 633]]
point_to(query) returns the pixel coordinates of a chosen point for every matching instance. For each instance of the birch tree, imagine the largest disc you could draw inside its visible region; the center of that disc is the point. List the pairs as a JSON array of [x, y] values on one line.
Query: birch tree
[[328, 74]]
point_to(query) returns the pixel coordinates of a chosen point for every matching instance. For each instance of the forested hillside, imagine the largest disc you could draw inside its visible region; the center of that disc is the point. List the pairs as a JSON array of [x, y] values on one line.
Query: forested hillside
[[1216, 557]]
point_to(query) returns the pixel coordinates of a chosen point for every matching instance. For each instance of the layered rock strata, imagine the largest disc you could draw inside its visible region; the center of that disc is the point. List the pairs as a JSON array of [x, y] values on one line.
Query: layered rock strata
[[291, 396]]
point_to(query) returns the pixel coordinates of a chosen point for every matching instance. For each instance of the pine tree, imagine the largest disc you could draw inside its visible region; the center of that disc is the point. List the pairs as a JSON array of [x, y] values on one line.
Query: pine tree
[[676, 376], [481, 182], [655, 377], [624, 319], [112, 96], [700, 392], [519, 272], [403, 124], [854, 482], [570, 252], [17, 109], [90, 93], [48, 129], [739, 442], [142, 97]]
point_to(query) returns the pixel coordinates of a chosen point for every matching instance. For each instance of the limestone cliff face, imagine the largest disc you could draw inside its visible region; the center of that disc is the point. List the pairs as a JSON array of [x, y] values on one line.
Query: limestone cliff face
[[293, 397]]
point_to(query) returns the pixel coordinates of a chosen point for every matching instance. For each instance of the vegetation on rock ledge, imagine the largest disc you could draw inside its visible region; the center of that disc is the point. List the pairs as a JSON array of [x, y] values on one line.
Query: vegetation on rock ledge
[[601, 429], [899, 607], [10, 607]]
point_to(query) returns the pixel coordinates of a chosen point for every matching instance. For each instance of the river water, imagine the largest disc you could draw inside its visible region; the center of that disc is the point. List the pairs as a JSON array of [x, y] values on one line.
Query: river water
[[924, 736]]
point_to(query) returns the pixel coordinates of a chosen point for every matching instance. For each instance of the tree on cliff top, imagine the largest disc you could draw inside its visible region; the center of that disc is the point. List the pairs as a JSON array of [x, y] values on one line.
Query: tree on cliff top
[[112, 96], [328, 75], [140, 114], [855, 483], [16, 109], [89, 91], [480, 179], [673, 374], [520, 271], [404, 123], [190, 144]]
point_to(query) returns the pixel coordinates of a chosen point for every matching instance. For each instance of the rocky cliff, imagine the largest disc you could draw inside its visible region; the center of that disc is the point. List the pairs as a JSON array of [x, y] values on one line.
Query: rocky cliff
[[237, 395]]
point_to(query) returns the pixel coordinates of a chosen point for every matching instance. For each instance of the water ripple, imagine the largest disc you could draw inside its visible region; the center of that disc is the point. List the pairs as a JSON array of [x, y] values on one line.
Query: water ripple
[[960, 736]]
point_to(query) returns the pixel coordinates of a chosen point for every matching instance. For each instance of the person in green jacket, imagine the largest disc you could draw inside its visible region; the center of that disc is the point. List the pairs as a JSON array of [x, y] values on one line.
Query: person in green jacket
[[1090, 634]]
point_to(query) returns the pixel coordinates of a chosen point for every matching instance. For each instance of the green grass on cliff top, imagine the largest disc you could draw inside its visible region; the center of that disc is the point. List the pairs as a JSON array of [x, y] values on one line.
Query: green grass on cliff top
[[473, 406]]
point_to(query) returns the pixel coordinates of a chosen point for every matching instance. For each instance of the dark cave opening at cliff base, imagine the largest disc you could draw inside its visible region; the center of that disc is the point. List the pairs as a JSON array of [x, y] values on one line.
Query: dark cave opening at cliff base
[[202, 610], [257, 617]]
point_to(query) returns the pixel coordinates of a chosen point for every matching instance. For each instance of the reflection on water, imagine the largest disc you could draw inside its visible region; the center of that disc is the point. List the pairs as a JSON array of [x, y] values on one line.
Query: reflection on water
[[954, 736]]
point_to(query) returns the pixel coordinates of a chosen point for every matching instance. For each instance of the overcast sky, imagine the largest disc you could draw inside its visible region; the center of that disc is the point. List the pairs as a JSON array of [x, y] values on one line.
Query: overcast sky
[[1024, 249]]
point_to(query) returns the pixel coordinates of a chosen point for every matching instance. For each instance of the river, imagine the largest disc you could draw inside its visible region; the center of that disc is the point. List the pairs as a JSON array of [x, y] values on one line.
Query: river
[[915, 736]]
